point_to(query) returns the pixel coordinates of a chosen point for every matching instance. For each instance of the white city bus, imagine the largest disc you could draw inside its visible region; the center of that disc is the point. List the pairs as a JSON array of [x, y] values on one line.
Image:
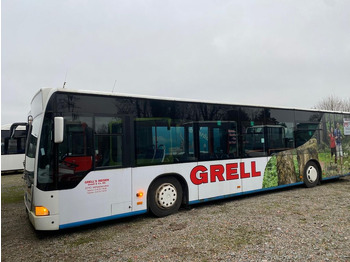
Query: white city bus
[[13, 139], [95, 156]]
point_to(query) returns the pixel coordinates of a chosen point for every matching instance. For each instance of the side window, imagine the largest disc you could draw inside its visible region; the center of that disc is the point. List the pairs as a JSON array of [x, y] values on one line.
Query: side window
[[279, 129], [306, 125], [217, 140], [4, 134], [203, 141], [276, 138], [12, 149], [253, 131], [14, 145], [108, 141], [304, 132], [77, 139], [163, 140], [254, 141], [76, 151]]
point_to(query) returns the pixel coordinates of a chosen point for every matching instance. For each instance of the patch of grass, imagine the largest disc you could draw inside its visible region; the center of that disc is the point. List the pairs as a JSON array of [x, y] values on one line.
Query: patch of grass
[[12, 195], [302, 220], [82, 240], [248, 236], [87, 238], [238, 237]]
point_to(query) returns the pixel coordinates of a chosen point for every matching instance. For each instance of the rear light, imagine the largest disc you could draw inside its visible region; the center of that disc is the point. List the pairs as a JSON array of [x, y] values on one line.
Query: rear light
[[41, 211]]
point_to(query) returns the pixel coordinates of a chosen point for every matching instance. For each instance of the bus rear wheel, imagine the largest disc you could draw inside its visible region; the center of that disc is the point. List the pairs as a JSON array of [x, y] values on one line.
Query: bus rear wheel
[[311, 174], [165, 196]]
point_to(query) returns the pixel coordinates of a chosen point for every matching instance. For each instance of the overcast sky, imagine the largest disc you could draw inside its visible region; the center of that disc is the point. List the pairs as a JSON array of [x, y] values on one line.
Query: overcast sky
[[280, 53]]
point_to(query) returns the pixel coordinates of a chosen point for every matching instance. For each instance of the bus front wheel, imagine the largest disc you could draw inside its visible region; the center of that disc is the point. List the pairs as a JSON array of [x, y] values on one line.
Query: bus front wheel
[[165, 196], [311, 174]]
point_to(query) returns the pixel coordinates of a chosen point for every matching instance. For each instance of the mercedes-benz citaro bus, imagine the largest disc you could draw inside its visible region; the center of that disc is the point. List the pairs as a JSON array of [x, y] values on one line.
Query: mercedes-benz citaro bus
[[94, 156]]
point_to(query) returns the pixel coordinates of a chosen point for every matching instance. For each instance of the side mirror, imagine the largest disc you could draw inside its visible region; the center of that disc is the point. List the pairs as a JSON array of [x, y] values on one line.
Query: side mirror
[[58, 129], [13, 128]]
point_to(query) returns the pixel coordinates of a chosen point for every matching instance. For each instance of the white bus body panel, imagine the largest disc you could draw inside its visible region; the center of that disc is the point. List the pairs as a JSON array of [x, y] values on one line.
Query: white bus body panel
[[50, 200], [217, 188], [12, 162], [100, 194], [106, 194], [254, 183]]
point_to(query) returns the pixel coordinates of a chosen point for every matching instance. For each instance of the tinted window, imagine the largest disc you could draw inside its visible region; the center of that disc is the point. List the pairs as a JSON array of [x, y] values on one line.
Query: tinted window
[[108, 141], [82, 104], [46, 155], [307, 117], [280, 130], [163, 140], [14, 145], [4, 134], [76, 151], [253, 131], [217, 140], [306, 125]]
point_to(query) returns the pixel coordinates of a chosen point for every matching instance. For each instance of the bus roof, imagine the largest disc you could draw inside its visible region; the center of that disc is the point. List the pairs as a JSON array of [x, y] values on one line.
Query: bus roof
[[49, 91], [8, 127]]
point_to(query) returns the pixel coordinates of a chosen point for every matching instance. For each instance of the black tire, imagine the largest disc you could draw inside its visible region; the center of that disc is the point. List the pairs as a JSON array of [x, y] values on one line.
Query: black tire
[[165, 196], [311, 174]]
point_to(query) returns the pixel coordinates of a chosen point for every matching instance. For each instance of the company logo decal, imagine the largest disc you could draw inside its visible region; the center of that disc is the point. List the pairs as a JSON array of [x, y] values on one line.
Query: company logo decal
[[201, 175]]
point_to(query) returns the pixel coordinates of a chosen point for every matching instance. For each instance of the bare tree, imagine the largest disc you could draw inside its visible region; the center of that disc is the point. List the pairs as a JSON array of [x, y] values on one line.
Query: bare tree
[[334, 103], [347, 105]]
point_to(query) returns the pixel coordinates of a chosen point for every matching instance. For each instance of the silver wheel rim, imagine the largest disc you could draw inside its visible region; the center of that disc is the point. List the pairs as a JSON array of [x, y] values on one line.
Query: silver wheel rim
[[166, 195], [311, 174]]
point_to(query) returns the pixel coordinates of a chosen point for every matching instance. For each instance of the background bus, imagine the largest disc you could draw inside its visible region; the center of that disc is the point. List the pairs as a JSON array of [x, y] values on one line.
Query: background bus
[[13, 146], [95, 156]]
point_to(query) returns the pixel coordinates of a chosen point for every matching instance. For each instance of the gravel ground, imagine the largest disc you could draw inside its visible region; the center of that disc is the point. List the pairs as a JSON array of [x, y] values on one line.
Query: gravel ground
[[294, 224]]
